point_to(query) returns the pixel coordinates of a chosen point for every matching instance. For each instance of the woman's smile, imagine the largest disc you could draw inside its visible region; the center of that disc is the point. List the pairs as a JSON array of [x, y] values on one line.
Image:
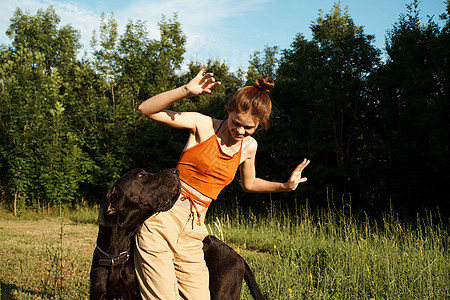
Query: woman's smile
[[241, 125]]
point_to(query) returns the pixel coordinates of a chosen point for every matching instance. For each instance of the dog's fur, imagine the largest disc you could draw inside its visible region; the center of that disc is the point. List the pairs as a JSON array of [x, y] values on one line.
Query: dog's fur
[[132, 199]]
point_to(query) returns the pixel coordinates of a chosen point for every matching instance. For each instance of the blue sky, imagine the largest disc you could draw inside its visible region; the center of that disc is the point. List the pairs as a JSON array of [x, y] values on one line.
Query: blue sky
[[229, 30]]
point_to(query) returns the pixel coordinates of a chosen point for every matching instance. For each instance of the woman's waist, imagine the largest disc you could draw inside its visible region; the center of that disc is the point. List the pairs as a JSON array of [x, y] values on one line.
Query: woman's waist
[[189, 194], [208, 181]]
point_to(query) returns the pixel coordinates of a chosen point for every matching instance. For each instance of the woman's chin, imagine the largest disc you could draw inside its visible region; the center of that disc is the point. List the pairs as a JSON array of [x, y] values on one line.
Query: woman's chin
[[237, 137]]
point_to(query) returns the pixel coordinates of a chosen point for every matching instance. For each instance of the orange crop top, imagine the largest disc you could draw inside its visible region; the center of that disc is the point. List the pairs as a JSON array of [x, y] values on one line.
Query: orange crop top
[[206, 168]]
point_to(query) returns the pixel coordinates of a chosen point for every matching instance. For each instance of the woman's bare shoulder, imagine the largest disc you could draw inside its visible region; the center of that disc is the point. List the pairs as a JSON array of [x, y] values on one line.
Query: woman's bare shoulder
[[204, 127], [249, 146]]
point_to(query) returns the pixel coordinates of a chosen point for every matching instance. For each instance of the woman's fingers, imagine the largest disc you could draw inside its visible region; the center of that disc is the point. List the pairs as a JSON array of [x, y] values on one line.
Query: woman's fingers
[[300, 168], [302, 165], [202, 83], [215, 84], [210, 83], [200, 74], [296, 176], [209, 80]]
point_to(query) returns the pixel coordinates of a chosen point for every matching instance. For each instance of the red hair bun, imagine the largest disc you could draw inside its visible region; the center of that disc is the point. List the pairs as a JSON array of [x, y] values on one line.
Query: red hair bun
[[265, 83]]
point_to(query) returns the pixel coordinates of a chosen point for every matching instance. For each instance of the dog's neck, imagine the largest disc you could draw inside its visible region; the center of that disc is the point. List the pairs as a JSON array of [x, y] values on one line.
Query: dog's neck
[[112, 240], [114, 237]]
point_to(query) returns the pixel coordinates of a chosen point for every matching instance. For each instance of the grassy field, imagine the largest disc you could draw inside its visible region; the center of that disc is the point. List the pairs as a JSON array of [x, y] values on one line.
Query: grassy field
[[325, 255]]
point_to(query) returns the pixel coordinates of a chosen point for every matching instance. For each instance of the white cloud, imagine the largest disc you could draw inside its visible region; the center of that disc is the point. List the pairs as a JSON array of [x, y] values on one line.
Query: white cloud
[[76, 15], [207, 25], [79, 18], [7, 12]]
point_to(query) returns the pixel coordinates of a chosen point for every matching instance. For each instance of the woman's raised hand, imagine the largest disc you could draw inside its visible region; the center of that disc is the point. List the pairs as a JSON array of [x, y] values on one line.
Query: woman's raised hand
[[296, 176], [202, 83]]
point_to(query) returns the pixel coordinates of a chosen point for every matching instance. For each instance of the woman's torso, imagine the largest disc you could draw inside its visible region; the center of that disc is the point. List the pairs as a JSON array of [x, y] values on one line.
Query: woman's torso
[[205, 131]]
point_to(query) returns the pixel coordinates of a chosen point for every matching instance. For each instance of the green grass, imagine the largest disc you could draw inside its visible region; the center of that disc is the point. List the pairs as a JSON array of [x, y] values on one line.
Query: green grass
[[328, 254], [43, 256]]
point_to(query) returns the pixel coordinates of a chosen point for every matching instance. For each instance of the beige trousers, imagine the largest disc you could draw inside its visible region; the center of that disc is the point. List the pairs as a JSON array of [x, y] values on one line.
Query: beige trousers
[[169, 257]]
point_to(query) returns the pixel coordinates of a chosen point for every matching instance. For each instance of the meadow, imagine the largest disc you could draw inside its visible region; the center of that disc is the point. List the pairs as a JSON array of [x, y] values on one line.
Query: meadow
[[325, 254]]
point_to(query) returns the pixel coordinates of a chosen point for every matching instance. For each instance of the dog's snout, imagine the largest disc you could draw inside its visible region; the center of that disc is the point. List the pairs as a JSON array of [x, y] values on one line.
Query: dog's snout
[[174, 171]]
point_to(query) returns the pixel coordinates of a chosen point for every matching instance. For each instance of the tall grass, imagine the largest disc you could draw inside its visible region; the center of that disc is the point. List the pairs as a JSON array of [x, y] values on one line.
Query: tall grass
[[331, 254], [295, 254]]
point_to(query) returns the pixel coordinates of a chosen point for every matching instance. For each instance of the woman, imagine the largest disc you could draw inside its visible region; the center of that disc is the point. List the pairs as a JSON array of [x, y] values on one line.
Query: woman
[[169, 257]]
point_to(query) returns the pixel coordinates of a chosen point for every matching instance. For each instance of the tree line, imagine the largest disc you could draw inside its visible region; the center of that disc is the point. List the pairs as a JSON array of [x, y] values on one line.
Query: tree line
[[376, 127]]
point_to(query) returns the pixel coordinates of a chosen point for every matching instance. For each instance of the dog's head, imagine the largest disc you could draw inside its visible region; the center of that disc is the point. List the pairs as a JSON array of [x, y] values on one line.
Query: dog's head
[[139, 194]]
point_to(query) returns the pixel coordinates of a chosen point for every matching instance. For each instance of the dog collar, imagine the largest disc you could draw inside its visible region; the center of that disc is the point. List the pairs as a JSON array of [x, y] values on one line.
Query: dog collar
[[108, 260]]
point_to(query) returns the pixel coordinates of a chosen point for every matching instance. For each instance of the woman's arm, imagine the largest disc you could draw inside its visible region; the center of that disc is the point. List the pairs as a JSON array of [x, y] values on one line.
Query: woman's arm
[[159, 102], [250, 183], [154, 107]]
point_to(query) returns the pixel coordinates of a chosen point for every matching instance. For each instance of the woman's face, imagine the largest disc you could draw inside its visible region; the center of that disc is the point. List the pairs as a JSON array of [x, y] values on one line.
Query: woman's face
[[241, 125]]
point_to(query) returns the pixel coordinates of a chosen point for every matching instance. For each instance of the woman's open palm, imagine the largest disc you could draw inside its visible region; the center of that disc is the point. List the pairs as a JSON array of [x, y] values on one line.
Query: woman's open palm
[[296, 176], [202, 83]]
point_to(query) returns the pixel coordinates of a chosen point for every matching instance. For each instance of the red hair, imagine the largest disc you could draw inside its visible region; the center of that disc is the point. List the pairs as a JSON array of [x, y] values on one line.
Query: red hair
[[254, 99]]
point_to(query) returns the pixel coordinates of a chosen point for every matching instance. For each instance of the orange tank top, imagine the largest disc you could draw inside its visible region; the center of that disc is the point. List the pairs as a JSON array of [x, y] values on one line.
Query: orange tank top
[[206, 168]]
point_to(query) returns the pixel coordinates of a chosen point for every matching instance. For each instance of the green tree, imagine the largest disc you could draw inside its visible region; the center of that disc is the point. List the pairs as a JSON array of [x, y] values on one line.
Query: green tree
[[149, 67], [133, 67], [66, 166], [31, 87], [169, 52], [137, 63], [20, 122], [321, 87], [40, 33], [263, 64], [31, 140], [412, 112], [106, 56]]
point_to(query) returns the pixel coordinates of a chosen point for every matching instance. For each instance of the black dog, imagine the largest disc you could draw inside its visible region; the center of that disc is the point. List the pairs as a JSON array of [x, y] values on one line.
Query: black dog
[[133, 198]]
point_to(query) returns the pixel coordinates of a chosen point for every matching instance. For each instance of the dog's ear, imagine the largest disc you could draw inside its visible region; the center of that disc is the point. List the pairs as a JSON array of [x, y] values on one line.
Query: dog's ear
[[113, 198], [108, 207], [110, 210], [102, 216]]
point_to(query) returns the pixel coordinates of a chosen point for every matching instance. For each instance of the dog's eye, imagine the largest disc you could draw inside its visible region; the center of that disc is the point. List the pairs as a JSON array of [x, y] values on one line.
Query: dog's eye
[[141, 175]]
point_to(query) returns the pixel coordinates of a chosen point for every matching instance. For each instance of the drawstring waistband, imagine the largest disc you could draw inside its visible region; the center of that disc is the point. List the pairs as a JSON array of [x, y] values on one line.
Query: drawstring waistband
[[186, 195]]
